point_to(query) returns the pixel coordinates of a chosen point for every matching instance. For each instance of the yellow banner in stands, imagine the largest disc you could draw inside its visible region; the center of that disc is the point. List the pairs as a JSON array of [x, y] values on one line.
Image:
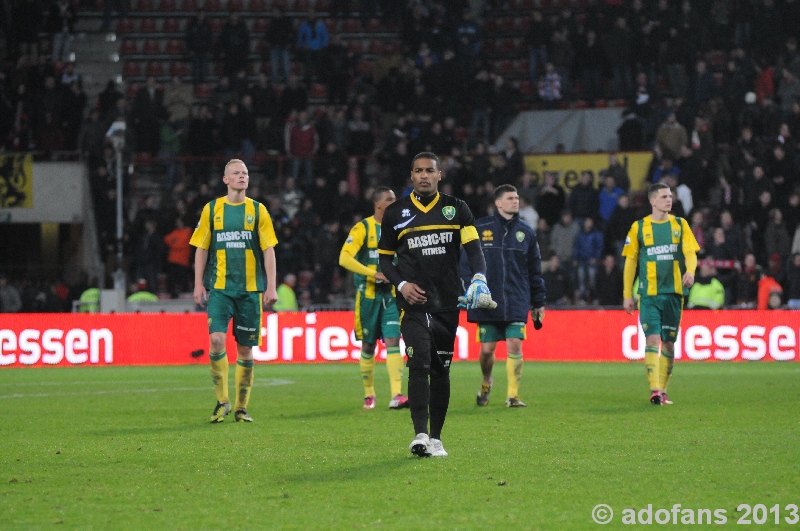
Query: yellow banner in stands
[[569, 167], [16, 181]]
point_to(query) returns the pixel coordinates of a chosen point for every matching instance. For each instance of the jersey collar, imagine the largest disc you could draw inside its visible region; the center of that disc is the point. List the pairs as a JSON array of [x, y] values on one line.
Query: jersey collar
[[422, 207]]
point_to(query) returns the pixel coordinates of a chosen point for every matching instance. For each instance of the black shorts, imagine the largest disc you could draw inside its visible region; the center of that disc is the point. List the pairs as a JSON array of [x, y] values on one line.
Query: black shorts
[[426, 334]]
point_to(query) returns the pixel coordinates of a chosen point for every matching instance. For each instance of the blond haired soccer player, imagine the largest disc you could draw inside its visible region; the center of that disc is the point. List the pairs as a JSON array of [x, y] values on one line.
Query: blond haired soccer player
[[234, 273], [376, 310], [665, 249]]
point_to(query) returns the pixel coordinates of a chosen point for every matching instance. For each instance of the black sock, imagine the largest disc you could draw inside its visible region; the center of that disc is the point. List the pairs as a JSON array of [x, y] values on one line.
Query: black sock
[[440, 400], [419, 393]]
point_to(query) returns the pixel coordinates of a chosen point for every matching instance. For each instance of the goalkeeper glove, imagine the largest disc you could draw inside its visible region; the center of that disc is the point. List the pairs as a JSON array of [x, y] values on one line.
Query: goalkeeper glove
[[478, 295]]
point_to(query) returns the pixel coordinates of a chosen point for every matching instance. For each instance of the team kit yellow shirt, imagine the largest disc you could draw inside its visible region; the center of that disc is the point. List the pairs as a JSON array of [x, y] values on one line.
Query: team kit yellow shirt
[[660, 248], [362, 244], [235, 236]]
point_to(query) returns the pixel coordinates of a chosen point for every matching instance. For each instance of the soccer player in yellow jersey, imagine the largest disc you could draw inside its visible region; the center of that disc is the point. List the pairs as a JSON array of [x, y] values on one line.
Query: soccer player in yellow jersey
[[376, 310], [234, 273], [665, 249]]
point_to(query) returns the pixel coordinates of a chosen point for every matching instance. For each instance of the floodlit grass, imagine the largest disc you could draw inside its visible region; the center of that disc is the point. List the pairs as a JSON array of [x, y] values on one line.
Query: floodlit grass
[[112, 448]]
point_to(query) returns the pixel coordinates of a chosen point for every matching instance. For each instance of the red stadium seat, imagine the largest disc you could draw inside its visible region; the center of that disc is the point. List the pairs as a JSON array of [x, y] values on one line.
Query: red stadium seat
[[351, 25], [318, 91], [148, 25], [525, 4], [331, 25], [365, 66], [191, 5], [581, 104], [152, 47], [155, 69], [280, 3], [523, 66], [301, 6], [168, 5], [174, 47], [125, 25], [323, 5], [133, 88], [202, 91], [374, 26], [526, 87], [236, 5], [620, 103], [523, 24], [258, 6], [129, 47], [178, 68], [216, 24], [356, 46], [508, 24], [132, 69], [261, 25], [376, 47], [171, 25], [505, 66], [213, 5], [600, 104], [145, 6], [491, 25]]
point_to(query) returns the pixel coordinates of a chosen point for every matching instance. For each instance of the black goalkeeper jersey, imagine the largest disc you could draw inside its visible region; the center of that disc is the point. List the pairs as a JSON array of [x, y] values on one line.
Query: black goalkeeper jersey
[[427, 241]]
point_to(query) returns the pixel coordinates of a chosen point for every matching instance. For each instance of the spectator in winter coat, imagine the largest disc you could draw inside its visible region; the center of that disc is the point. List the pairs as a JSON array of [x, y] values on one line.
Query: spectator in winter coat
[[588, 249]]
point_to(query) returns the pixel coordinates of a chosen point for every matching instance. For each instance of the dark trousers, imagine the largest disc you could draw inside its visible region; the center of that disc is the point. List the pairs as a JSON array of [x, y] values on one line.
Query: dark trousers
[[429, 339]]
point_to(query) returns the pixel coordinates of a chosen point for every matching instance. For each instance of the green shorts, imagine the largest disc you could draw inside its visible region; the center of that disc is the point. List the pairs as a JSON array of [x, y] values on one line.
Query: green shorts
[[376, 318], [500, 331], [661, 314], [244, 307]]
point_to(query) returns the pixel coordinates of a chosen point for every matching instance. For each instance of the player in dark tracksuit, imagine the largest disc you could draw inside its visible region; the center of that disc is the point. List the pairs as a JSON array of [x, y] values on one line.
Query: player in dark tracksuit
[[426, 230], [514, 275]]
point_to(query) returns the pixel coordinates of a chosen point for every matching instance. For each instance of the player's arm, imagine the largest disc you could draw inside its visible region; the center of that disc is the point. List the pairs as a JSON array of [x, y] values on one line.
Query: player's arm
[[690, 248], [631, 253], [201, 238], [351, 247], [535, 281], [267, 240]]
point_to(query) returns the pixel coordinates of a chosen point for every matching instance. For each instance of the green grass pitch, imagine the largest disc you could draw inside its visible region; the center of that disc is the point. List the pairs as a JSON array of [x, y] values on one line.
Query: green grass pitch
[[131, 448]]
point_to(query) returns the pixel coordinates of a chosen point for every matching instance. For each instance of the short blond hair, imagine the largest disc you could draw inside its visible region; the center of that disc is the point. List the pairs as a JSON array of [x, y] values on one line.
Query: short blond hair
[[233, 161]]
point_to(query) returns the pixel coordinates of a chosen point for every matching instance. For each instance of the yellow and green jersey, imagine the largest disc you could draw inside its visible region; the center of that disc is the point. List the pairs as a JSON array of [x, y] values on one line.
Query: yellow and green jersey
[[362, 244], [661, 249], [235, 235]]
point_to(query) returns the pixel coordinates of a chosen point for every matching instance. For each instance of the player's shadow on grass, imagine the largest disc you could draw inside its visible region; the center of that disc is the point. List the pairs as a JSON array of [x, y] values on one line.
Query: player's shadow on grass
[[317, 414], [181, 427]]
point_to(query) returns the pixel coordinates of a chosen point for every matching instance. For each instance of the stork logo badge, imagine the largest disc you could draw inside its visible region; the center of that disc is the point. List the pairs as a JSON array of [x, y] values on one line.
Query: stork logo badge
[[250, 219], [410, 351], [520, 236], [449, 212]]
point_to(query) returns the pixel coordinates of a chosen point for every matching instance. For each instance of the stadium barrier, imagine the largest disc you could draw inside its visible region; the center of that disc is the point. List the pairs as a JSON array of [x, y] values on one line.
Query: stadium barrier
[[63, 340]]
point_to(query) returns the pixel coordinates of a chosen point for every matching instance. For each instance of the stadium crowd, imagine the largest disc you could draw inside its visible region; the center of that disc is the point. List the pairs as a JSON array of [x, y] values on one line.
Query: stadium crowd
[[712, 88]]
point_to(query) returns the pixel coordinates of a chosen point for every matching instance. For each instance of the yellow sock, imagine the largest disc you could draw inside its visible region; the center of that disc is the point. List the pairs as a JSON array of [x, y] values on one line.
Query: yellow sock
[[394, 366], [514, 373], [219, 375], [367, 364], [244, 381], [651, 364], [665, 367]]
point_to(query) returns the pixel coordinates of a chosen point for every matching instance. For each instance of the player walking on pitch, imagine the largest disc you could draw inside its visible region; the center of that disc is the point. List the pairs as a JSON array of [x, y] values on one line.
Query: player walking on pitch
[[375, 309], [514, 273], [234, 273], [666, 252], [426, 230]]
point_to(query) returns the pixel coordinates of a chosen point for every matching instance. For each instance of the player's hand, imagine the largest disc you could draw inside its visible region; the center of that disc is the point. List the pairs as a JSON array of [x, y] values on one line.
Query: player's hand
[[380, 278], [413, 294], [688, 279], [200, 296], [270, 296], [537, 314], [629, 305], [478, 295]]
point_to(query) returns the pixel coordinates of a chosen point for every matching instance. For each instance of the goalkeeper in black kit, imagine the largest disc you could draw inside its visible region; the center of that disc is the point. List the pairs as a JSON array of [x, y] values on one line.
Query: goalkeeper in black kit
[[426, 230]]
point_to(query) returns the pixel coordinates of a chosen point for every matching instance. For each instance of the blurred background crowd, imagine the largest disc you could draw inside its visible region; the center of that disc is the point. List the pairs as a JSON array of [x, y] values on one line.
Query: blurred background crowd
[[325, 100]]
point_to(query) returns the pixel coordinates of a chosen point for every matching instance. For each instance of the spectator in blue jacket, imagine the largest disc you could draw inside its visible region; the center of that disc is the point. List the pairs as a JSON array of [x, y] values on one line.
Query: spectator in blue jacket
[[608, 197], [312, 40], [588, 250], [514, 275]]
